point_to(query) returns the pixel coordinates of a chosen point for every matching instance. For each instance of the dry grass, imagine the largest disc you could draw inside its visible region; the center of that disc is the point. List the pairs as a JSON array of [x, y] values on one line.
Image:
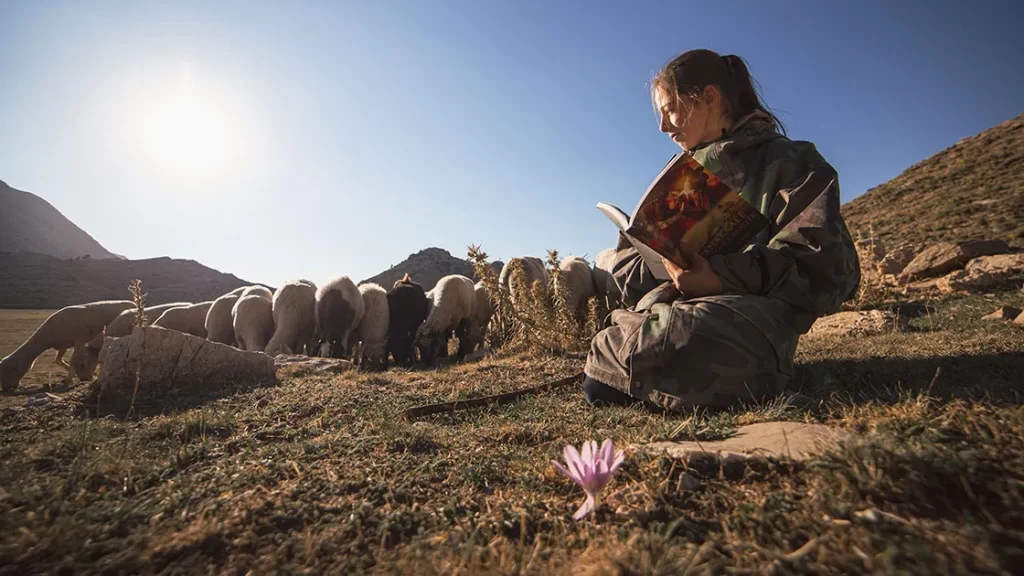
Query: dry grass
[[316, 474]]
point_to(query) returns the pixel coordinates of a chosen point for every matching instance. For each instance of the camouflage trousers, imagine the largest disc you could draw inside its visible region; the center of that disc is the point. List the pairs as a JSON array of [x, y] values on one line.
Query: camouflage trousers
[[712, 351]]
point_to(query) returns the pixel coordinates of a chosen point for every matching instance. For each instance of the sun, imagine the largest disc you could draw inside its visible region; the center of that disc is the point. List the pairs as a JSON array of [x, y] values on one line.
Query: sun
[[185, 131]]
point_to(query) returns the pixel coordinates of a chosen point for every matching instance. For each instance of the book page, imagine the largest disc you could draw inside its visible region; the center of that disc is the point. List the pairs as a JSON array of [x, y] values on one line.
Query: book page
[[651, 258]]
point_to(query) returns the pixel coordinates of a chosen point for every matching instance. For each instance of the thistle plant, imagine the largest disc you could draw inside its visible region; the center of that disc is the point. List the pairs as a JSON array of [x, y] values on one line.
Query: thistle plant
[[591, 470], [139, 299]]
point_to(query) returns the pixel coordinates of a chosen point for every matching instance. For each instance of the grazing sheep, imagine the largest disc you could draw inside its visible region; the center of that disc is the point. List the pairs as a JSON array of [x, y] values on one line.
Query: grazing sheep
[[373, 328], [483, 311], [604, 283], [579, 284], [452, 308], [125, 321], [407, 309], [257, 290], [253, 321], [220, 320], [189, 319], [294, 307], [339, 309], [73, 326], [534, 271]]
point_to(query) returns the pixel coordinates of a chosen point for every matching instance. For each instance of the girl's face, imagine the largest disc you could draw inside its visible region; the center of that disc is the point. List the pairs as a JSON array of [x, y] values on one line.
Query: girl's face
[[688, 121]]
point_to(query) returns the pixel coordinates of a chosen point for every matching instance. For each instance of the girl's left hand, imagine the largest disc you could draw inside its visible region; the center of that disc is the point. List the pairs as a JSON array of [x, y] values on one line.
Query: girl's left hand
[[698, 279]]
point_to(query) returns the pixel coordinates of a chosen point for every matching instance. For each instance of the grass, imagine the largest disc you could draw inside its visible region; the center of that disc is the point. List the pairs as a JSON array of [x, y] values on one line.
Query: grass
[[315, 474]]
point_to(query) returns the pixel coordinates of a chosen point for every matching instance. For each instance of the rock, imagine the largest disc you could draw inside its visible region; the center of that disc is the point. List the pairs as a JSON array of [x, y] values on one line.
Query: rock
[[897, 259], [983, 273], [795, 440], [1019, 320], [864, 323], [688, 482], [1003, 313], [923, 285], [39, 400], [306, 364], [169, 362], [944, 257]]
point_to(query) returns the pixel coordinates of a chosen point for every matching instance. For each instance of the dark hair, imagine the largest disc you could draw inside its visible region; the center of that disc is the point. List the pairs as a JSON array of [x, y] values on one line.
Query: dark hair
[[690, 72]]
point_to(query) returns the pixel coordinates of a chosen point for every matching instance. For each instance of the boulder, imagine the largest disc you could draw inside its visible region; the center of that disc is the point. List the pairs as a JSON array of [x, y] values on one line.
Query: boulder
[[861, 323], [166, 363], [796, 440], [897, 259], [983, 273], [944, 257], [1003, 313]]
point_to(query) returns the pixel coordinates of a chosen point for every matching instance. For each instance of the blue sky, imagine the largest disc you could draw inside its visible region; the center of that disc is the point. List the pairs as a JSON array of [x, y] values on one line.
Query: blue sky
[[279, 140]]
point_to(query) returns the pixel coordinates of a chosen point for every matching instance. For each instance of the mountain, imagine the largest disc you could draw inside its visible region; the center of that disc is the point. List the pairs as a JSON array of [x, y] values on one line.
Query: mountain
[[426, 267], [971, 190], [30, 224], [41, 281]]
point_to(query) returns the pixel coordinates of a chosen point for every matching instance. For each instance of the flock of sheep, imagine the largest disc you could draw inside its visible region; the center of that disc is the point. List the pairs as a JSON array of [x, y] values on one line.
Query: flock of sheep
[[337, 319]]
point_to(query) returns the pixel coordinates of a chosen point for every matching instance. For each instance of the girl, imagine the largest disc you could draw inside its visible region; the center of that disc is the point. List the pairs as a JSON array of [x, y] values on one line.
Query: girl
[[726, 329]]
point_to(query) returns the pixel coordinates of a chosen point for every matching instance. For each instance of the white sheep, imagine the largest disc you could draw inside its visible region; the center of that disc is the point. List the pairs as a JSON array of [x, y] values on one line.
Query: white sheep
[[533, 271], [125, 322], [253, 320], [339, 309], [372, 332], [451, 309], [71, 327], [189, 319], [294, 309], [577, 281], [604, 283], [483, 312], [220, 320]]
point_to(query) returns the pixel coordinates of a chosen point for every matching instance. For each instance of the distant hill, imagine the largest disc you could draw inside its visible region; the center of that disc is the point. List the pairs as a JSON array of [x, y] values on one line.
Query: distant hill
[[971, 190], [426, 267], [41, 281], [30, 224]]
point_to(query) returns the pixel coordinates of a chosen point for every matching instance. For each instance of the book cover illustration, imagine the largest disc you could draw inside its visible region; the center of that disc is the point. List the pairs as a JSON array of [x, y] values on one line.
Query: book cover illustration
[[689, 205]]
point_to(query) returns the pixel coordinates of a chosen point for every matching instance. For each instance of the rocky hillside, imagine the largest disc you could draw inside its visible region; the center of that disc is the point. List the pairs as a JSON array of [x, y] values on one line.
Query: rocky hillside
[[972, 190], [41, 281], [30, 224], [426, 267]]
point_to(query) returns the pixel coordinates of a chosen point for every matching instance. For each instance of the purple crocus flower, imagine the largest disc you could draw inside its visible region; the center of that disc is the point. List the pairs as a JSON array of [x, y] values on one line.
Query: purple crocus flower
[[591, 470]]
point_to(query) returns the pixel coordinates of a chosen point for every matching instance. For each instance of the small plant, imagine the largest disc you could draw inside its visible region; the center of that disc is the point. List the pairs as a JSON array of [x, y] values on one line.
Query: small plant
[[139, 299]]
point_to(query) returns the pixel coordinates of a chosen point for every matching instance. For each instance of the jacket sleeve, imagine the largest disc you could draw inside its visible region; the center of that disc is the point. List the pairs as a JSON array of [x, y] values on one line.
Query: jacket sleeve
[[631, 275], [809, 261]]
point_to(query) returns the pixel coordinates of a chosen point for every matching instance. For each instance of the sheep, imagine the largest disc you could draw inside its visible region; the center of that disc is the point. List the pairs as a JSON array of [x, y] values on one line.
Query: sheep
[[604, 283], [339, 309], [294, 309], [189, 319], [257, 290], [72, 326], [407, 309], [373, 328], [578, 281], [534, 271], [124, 323], [451, 309], [483, 311], [252, 318], [220, 320]]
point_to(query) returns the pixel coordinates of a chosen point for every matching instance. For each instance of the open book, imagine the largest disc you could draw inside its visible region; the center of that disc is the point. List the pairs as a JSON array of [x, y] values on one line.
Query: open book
[[686, 205]]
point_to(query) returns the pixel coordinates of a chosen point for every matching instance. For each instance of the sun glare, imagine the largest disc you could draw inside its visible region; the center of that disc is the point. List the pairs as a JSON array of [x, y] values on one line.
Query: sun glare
[[185, 131]]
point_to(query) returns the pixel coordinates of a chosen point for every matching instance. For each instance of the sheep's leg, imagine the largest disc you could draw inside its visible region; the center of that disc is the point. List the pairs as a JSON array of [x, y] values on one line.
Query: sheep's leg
[[58, 360]]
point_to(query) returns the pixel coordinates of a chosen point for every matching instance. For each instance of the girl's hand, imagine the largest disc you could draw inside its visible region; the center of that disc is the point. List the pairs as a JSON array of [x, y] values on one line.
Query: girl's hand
[[698, 279]]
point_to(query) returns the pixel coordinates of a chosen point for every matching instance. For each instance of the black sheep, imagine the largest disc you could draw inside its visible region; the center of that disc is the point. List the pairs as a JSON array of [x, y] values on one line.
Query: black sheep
[[407, 309]]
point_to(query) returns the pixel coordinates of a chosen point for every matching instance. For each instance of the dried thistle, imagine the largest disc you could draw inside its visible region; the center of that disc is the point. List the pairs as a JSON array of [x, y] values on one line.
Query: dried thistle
[[139, 299]]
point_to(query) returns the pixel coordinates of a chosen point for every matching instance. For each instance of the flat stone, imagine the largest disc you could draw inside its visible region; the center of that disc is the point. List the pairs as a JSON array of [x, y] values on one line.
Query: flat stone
[[1020, 319], [1003, 313], [796, 440], [166, 362], [897, 259], [944, 257], [983, 273], [860, 323], [298, 363]]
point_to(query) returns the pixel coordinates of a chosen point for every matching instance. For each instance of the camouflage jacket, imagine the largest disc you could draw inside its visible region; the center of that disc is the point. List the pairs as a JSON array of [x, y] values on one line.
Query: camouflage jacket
[[805, 258]]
